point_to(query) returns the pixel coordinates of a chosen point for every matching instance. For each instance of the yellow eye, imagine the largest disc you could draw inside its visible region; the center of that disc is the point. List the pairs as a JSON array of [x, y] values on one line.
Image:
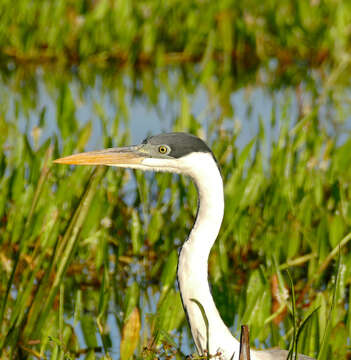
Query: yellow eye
[[162, 149]]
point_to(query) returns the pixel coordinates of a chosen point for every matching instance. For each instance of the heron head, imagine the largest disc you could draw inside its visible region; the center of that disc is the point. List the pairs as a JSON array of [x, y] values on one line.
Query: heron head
[[172, 152]]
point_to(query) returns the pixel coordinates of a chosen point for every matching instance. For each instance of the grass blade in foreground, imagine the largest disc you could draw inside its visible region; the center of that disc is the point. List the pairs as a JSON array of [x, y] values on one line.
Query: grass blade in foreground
[[64, 252]]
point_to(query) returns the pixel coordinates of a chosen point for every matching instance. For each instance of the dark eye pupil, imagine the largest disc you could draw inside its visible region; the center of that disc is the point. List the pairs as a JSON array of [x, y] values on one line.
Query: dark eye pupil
[[162, 149]]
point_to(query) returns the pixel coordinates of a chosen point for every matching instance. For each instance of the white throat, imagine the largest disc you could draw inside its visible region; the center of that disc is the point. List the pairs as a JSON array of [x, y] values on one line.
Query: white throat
[[193, 261]]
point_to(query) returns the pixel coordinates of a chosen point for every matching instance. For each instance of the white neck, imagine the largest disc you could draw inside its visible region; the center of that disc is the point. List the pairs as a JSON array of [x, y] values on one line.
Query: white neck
[[193, 257], [193, 263]]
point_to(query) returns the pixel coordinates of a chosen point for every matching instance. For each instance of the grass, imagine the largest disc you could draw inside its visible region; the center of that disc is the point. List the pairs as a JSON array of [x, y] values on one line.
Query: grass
[[81, 248], [88, 256], [239, 37]]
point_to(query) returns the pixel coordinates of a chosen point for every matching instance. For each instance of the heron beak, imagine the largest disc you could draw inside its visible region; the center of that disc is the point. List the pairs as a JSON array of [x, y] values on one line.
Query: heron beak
[[120, 156]]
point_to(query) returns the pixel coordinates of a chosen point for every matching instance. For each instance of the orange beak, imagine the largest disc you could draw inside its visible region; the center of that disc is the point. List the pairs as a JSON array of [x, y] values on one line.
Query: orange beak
[[114, 156]]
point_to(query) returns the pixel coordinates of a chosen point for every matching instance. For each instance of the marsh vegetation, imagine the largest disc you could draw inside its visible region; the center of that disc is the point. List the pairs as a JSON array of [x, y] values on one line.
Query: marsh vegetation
[[88, 256]]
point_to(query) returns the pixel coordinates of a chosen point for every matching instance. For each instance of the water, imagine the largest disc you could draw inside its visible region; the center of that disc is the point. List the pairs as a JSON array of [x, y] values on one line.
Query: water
[[97, 104]]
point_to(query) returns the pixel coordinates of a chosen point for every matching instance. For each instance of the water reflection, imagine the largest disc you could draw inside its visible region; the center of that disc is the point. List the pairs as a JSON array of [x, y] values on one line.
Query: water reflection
[[117, 103]]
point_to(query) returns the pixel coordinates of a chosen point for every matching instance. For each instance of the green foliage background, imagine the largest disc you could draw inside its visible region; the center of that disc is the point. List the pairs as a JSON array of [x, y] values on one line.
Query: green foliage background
[[88, 256]]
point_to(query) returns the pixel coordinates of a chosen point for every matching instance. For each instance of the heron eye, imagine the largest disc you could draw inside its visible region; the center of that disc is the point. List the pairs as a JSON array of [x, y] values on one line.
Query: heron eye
[[162, 149]]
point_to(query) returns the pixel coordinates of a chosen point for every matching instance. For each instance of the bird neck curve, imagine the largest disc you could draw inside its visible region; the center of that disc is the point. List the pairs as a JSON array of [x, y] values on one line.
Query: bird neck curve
[[193, 264]]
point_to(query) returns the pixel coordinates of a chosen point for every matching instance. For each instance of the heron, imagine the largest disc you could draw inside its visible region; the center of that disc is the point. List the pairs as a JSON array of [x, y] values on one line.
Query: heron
[[186, 154]]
